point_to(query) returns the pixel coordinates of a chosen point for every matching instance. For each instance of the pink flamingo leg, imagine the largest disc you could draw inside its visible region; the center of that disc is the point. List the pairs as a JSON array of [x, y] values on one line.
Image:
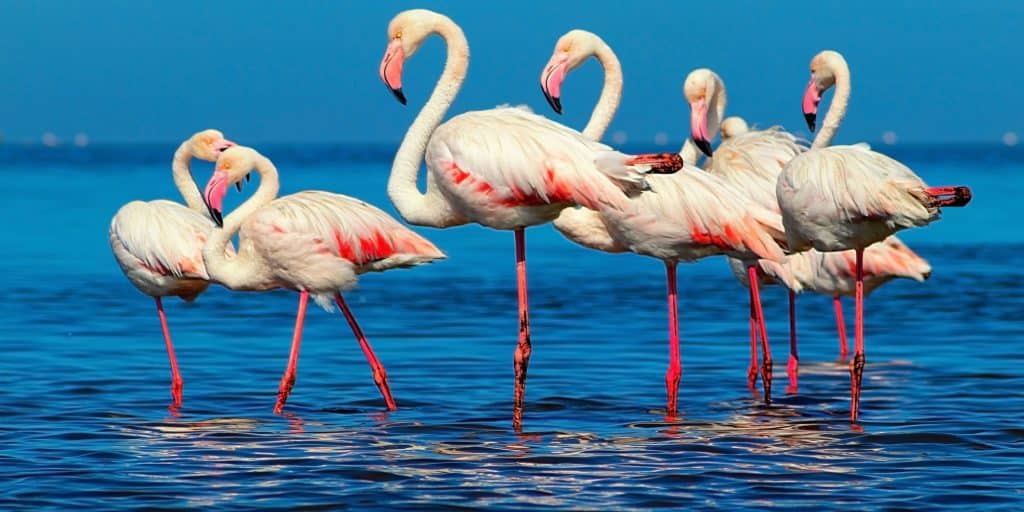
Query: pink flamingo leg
[[793, 366], [674, 367], [844, 349], [380, 377], [521, 358], [857, 363], [752, 369], [766, 364], [176, 383], [288, 380]]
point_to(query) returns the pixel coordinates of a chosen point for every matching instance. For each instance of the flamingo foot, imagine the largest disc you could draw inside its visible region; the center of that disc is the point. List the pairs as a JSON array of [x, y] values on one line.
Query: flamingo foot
[[766, 379], [287, 383], [793, 372], [672, 386], [521, 361], [177, 386], [856, 376]]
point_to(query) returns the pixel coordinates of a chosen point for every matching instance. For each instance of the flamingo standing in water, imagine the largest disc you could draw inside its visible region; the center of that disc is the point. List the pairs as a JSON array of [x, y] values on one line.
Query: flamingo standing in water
[[751, 161], [686, 216], [504, 168], [849, 197], [312, 242], [158, 244]]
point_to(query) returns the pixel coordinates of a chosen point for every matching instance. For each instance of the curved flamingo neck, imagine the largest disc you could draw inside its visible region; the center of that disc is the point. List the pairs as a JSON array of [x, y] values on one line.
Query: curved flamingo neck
[[183, 180], [689, 152], [430, 208], [716, 110], [837, 108], [611, 92], [242, 271]]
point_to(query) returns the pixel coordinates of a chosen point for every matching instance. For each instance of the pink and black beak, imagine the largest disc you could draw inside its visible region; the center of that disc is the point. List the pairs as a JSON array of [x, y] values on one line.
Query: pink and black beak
[[551, 80], [699, 125], [214, 194], [812, 97], [391, 68]]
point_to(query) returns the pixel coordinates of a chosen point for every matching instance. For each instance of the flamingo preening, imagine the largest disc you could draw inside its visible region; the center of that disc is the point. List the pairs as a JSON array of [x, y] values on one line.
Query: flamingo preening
[[505, 168], [849, 197]]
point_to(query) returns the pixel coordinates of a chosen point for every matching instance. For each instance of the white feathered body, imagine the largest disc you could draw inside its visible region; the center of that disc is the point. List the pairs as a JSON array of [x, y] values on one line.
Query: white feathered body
[[508, 168], [158, 244], [844, 197]]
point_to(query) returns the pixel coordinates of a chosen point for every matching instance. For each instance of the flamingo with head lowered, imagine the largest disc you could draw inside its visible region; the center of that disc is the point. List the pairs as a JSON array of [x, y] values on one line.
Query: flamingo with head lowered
[[504, 168], [684, 217], [158, 244], [316, 243], [849, 197]]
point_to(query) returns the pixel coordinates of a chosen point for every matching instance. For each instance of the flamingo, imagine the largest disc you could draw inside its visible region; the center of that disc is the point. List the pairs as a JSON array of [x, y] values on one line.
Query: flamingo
[[686, 216], [848, 197], [751, 161], [158, 244], [504, 168], [833, 273], [312, 242]]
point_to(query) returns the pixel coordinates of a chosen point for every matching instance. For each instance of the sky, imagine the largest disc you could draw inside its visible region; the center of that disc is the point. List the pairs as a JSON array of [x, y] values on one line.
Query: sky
[[304, 71]]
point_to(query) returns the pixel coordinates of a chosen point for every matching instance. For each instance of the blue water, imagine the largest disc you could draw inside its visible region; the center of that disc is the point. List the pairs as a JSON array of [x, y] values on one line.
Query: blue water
[[84, 381]]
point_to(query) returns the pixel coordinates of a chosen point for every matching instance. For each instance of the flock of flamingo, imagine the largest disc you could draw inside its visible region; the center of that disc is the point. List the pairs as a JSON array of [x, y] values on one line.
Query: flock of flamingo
[[818, 218]]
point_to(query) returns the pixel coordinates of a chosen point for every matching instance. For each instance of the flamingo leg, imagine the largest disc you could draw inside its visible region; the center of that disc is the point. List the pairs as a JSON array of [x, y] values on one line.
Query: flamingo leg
[[288, 380], [380, 377], [857, 363], [752, 369], [521, 359], [176, 383], [674, 366], [844, 349], [766, 363], [793, 366]]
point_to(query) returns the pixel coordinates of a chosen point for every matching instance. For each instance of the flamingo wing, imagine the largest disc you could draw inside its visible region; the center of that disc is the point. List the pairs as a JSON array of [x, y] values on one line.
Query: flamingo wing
[[752, 161], [513, 157], [163, 237]]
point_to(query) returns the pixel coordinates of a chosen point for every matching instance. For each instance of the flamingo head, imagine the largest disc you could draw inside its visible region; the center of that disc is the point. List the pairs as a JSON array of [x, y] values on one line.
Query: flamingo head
[[571, 50], [733, 126], [233, 165], [209, 144], [703, 89], [406, 33], [822, 78]]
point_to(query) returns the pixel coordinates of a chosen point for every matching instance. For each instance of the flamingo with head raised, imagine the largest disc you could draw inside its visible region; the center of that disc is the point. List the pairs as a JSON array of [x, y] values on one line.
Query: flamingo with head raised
[[504, 168], [848, 197]]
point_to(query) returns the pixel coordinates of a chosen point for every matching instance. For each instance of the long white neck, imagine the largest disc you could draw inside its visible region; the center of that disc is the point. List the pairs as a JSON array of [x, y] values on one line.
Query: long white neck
[[611, 93], [689, 152], [836, 109], [431, 208], [242, 271], [183, 179]]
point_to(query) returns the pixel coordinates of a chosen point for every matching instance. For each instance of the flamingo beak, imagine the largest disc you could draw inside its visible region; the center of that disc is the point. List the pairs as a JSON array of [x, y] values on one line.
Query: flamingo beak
[[551, 80], [699, 125], [214, 194], [812, 97], [391, 68]]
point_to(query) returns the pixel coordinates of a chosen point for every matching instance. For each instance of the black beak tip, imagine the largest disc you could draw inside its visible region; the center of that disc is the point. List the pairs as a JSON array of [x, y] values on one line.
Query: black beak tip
[[238, 185], [215, 215], [556, 103], [704, 146], [399, 95], [810, 118]]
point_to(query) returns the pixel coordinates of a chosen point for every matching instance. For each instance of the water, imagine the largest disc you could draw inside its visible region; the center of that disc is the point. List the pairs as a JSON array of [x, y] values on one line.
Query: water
[[84, 384]]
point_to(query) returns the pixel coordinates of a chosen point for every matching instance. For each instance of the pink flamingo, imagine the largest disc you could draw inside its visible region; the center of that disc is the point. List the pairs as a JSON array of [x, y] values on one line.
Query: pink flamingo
[[504, 168], [158, 244], [751, 161], [684, 217], [849, 197], [313, 242]]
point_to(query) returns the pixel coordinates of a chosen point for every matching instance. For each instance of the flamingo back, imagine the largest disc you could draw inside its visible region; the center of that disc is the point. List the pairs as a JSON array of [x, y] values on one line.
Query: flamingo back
[[158, 245], [842, 197], [492, 162], [752, 161]]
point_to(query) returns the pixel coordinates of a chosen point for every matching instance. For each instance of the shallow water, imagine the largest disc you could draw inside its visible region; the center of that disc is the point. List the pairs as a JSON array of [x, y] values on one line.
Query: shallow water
[[84, 386]]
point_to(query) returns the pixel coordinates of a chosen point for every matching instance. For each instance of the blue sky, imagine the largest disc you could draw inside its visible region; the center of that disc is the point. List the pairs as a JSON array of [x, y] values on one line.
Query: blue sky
[[307, 71]]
